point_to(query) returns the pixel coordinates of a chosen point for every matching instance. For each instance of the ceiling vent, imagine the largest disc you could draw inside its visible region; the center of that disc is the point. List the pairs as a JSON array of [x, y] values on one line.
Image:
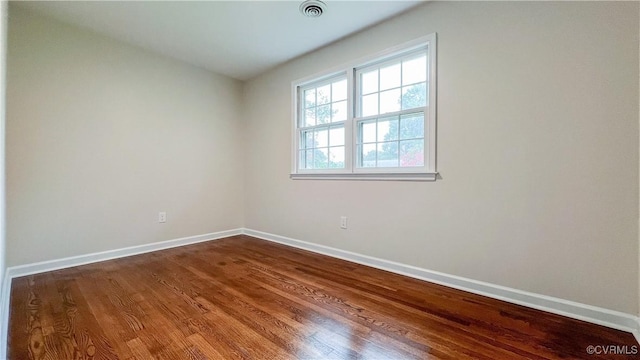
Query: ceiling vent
[[313, 8]]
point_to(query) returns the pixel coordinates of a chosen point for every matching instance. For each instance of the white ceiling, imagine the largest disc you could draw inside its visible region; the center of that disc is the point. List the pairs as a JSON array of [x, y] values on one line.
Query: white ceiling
[[240, 39]]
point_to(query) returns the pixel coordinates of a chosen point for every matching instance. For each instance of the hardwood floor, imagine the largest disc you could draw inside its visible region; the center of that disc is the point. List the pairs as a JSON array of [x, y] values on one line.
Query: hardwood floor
[[244, 298]]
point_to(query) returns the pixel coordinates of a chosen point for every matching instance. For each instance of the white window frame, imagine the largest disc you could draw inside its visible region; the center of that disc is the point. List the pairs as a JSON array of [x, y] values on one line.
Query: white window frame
[[351, 70], [347, 128]]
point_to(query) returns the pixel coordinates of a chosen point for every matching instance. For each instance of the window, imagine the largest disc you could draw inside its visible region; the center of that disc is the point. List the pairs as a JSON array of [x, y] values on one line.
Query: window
[[323, 113], [374, 119]]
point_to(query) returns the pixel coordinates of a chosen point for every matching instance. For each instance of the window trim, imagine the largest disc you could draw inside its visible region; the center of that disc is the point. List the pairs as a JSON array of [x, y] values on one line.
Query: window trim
[[350, 171]]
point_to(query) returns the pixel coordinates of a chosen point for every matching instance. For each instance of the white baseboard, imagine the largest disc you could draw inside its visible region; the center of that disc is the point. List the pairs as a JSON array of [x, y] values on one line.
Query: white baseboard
[[600, 316], [29, 269]]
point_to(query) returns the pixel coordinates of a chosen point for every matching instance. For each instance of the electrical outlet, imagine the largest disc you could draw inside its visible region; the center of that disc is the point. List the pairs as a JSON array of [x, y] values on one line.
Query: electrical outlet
[[162, 217], [343, 222]]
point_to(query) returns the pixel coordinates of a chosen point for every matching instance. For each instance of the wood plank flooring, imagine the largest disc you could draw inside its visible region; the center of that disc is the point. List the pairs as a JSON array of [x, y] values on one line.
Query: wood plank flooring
[[244, 298]]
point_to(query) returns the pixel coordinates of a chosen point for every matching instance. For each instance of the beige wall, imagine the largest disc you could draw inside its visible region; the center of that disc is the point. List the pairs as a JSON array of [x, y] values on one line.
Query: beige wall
[[537, 148], [102, 136], [3, 83]]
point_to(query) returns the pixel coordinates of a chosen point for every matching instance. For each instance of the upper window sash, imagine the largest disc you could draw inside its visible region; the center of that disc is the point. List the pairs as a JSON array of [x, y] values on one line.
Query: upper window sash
[[313, 89], [404, 57]]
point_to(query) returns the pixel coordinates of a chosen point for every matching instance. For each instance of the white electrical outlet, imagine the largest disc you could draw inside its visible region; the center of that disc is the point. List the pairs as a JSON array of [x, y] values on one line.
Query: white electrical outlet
[[162, 217], [343, 222]]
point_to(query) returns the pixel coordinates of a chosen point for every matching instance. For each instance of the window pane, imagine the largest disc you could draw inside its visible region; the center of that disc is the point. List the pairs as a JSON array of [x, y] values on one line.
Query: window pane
[[412, 153], [321, 158], [324, 94], [309, 159], [307, 140], [414, 96], [322, 138], [368, 155], [310, 98], [336, 136], [309, 117], [390, 77], [336, 157], [370, 105], [412, 126], [324, 114], [388, 129], [368, 131], [388, 154], [301, 159], [370, 82], [339, 111], [339, 90], [414, 70], [389, 101]]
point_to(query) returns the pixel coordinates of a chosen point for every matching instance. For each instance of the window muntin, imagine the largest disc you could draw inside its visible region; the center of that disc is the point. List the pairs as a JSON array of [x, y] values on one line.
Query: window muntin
[[391, 141], [387, 130], [322, 147], [397, 84]]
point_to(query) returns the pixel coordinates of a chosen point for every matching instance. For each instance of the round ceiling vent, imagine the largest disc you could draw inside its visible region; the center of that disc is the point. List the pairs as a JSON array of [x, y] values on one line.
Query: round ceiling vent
[[313, 8]]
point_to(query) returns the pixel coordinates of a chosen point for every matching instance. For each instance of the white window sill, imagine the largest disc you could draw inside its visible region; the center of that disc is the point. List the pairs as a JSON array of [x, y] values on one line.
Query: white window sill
[[370, 177]]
